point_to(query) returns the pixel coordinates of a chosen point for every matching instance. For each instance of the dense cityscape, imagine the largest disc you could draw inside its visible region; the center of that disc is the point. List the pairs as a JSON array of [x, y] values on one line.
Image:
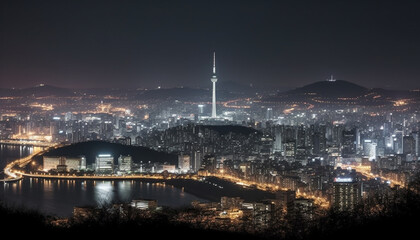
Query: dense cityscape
[[315, 159], [318, 156]]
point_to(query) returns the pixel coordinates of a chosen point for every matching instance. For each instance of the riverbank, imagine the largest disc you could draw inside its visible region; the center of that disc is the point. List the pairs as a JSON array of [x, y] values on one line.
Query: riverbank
[[211, 188]]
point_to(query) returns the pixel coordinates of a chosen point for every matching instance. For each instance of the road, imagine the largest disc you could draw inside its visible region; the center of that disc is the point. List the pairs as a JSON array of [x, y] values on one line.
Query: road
[[323, 202], [26, 142], [366, 171], [15, 176]]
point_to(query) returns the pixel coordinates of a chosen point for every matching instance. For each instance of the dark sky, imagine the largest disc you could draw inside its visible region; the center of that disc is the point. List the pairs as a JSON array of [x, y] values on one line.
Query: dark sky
[[279, 44]]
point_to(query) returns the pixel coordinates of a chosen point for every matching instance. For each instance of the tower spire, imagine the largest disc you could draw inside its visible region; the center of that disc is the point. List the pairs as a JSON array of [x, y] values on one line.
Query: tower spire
[[214, 80], [214, 62]]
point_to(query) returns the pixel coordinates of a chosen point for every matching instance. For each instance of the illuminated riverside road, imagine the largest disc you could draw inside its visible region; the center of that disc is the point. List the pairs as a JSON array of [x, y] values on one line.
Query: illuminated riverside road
[[26, 143], [59, 196], [16, 175], [366, 171], [107, 177], [321, 201]]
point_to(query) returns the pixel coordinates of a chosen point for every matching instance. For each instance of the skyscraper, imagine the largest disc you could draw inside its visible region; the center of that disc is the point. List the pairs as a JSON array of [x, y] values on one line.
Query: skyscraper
[[269, 115], [346, 193], [370, 149], [349, 142], [184, 162], [214, 80]]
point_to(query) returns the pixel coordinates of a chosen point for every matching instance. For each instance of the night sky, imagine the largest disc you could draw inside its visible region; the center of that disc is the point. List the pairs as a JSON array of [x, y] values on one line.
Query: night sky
[[143, 44]]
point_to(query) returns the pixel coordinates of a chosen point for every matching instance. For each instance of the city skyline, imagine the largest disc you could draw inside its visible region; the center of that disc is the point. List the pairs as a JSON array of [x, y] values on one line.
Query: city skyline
[[150, 44], [114, 120]]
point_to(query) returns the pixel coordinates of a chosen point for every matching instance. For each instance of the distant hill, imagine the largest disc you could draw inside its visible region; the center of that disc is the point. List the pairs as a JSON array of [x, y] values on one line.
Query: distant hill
[[182, 94], [235, 87], [92, 148], [37, 91], [326, 89], [46, 90]]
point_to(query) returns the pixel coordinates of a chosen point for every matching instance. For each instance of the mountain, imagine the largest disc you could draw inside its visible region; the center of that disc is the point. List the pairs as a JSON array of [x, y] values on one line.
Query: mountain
[[46, 90], [235, 87], [180, 93], [330, 89], [40, 90]]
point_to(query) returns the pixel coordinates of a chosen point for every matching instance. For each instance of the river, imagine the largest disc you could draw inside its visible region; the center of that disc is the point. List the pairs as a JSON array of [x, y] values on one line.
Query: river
[[58, 197]]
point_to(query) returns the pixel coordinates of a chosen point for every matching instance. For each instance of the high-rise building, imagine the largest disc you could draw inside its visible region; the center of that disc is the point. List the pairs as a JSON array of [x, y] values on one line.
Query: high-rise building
[[269, 114], [197, 160], [346, 193], [416, 142], [200, 109], [369, 149], [125, 163], [409, 145], [349, 142], [184, 162], [214, 80], [289, 149], [104, 163], [278, 142]]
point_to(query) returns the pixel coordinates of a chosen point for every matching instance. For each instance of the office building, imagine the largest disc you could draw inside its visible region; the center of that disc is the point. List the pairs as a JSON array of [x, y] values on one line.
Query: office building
[[370, 149], [125, 163], [346, 193], [144, 204], [104, 163], [184, 163]]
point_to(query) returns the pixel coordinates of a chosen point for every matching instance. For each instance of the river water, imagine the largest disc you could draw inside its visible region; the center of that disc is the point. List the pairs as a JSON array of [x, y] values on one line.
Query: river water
[[58, 197]]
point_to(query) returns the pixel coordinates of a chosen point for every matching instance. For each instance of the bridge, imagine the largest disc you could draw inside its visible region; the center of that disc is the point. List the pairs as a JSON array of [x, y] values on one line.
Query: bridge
[[12, 176], [26, 143]]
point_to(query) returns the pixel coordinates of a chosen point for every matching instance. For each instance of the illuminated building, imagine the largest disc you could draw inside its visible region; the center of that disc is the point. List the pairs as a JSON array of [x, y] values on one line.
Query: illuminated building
[[104, 163], [261, 213], [346, 193], [75, 163], [144, 204], [169, 168], [369, 149], [125, 163], [289, 149], [197, 160], [278, 143], [290, 182], [409, 145], [64, 163], [231, 202], [285, 198], [416, 142], [246, 169], [214, 80], [50, 162], [349, 142], [200, 109], [184, 163], [269, 114], [305, 207]]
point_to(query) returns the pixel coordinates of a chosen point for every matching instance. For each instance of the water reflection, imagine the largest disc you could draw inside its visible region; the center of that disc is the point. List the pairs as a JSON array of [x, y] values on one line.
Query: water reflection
[[58, 197]]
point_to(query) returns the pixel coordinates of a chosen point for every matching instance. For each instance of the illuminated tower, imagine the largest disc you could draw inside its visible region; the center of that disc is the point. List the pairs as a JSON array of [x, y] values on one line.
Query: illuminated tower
[[214, 80]]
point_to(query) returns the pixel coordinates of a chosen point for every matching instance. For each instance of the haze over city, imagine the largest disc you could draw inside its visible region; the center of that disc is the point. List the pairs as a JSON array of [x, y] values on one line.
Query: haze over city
[[221, 119], [270, 44]]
